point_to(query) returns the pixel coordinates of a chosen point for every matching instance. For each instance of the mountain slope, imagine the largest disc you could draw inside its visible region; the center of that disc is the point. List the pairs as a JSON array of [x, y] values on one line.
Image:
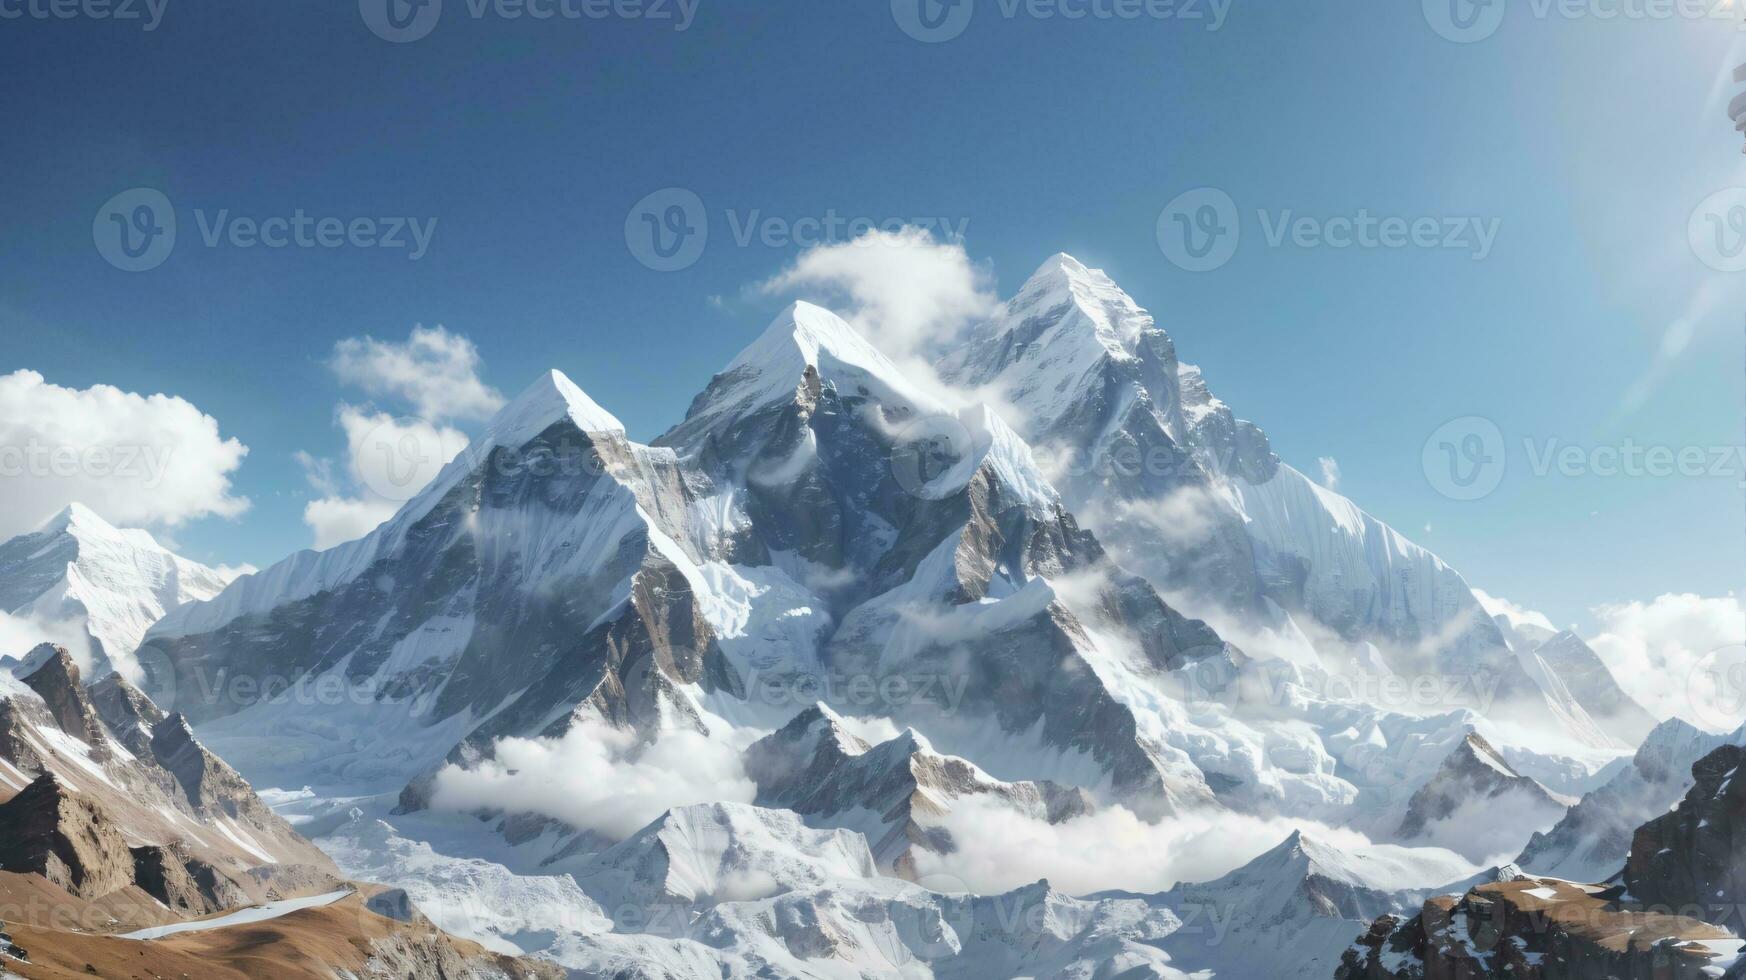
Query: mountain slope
[[165, 794]]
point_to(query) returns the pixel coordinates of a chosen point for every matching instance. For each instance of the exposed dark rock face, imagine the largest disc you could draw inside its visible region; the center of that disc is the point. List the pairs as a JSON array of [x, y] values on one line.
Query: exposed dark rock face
[[10, 948], [50, 831], [208, 783], [394, 904], [127, 711], [1695, 856], [58, 683], [186, 884]]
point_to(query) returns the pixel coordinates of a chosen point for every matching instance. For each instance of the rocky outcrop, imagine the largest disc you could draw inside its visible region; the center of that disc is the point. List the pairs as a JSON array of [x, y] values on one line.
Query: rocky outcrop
[[1683, 885], [1694, 858], [10, 949], [50, 831], [110, 747], [393, 903], [58, 682], [1539, 929], [184, 883], [209, 784], [127, 711]]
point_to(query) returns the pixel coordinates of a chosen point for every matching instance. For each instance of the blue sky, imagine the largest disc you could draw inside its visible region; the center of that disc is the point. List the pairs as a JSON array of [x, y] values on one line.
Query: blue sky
[[1585, 141]]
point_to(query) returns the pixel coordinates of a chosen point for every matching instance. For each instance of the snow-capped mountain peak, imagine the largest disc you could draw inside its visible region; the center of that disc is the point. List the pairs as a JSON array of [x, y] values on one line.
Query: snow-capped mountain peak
[[804, 345], [78, 573], [550, 398], [1111, 315]]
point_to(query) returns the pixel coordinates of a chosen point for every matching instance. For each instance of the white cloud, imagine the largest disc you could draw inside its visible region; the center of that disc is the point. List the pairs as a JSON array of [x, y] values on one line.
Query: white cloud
[[1517, 615], [911, 295], [336, 520], [1187, 516], [1662, 649], [599, 778], [999, 850], [20, 634], [436, 371], [388, 461], [138, 460], [1330, 471]]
